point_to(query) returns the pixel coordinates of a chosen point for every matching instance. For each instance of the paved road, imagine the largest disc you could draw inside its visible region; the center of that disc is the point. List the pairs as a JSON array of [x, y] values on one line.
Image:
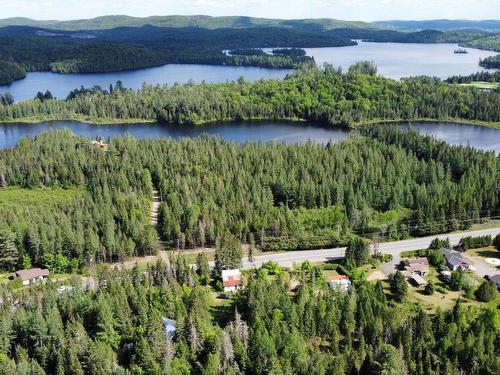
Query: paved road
[[394, 248]]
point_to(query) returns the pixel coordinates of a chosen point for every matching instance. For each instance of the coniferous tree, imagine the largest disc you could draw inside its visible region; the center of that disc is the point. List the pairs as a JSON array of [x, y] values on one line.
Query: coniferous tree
[[399, 286], [9, 255], [228, 253]]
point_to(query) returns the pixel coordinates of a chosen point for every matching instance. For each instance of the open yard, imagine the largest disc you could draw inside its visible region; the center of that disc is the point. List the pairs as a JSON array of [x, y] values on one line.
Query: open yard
[[488, 255], [483, 85]]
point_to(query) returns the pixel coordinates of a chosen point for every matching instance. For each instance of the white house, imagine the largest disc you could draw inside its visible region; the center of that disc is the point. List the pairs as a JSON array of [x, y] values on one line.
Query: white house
[[340, 282], [31, 276], [231, 280]]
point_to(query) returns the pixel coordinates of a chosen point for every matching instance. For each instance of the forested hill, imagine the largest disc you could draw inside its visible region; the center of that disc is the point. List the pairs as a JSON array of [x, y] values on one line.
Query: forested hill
[[200, 21], [323, 95], [443, 25], [35, 49], [115, 43]]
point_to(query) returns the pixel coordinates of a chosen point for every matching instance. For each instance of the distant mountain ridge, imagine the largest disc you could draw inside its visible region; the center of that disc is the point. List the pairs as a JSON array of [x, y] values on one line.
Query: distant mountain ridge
[[442, 25], [206, 22]]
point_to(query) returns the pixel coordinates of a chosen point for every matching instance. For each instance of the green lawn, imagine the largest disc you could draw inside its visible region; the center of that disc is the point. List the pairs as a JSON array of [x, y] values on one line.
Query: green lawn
[[15, 198], [482, 85], [485, 252], [222, 309]]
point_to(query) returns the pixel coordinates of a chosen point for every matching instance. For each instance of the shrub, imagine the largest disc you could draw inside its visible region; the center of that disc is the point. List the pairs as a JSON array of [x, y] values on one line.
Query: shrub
[[487, 291], [435, 258], [467, 243], [330, 266], [457, 281], [438, 244], [429, 288], [496, 242]]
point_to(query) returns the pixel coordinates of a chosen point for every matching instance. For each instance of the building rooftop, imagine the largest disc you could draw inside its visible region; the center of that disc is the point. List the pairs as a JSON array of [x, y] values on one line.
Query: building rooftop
[[338, 278], [417, 261], [453, 257], [231, 277], [418, 279], [30, 274], [169, 327]]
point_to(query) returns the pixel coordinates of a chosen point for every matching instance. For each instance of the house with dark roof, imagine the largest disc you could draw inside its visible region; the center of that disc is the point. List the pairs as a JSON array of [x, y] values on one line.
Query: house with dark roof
[[495, 279], [30, 276], [455, 260]]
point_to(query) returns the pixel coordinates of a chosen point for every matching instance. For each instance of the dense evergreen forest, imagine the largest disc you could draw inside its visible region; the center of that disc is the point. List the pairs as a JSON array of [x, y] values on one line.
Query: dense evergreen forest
[[323, 95], [492, 62], [131, 48], [479, 76], [285, 196], [10, 71], [118, 329], [490, 42]]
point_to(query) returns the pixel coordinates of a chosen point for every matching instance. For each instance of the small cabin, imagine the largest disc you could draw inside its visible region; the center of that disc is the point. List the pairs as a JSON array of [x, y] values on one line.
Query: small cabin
[[339, 282], [30, 276], [100, 145], [231, 280], [418, 280]]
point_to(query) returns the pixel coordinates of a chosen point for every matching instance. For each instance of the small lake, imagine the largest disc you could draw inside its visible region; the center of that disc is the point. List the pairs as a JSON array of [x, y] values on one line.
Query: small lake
[[251, 131], [396, 60], [246, 131], [480, 137], [61, 84]]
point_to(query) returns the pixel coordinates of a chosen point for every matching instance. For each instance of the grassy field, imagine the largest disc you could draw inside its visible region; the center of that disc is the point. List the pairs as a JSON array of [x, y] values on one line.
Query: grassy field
[[485, 252], [482, 85], [14, 198]]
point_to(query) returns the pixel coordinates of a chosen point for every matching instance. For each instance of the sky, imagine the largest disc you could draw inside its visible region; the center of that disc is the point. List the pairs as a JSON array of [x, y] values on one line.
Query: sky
[[363, 10]]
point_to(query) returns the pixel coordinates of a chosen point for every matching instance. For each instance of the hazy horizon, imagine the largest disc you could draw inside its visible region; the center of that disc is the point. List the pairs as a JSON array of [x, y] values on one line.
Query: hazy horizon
[[241, 15], [349, 10]]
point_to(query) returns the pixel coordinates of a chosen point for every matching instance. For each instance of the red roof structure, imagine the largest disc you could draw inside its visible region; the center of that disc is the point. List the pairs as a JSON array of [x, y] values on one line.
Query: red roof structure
[[338, 277], [232, 282]]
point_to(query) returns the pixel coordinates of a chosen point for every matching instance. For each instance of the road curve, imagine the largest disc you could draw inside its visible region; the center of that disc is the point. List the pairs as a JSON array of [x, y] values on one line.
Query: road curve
[[287, 259]]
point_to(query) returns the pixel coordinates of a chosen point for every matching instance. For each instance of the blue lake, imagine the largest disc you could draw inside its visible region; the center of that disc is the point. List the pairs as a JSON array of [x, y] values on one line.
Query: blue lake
[[394, 60], [264, 131], [61, 84]]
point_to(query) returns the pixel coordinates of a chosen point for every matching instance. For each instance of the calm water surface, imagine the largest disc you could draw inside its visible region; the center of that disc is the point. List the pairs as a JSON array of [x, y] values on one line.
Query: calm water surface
[[278, 131], [394, 60], [247, 131], [479, 137], [61, 84]]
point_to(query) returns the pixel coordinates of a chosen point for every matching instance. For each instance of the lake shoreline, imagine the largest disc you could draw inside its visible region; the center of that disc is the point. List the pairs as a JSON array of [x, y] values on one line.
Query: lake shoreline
[[107, 121]]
